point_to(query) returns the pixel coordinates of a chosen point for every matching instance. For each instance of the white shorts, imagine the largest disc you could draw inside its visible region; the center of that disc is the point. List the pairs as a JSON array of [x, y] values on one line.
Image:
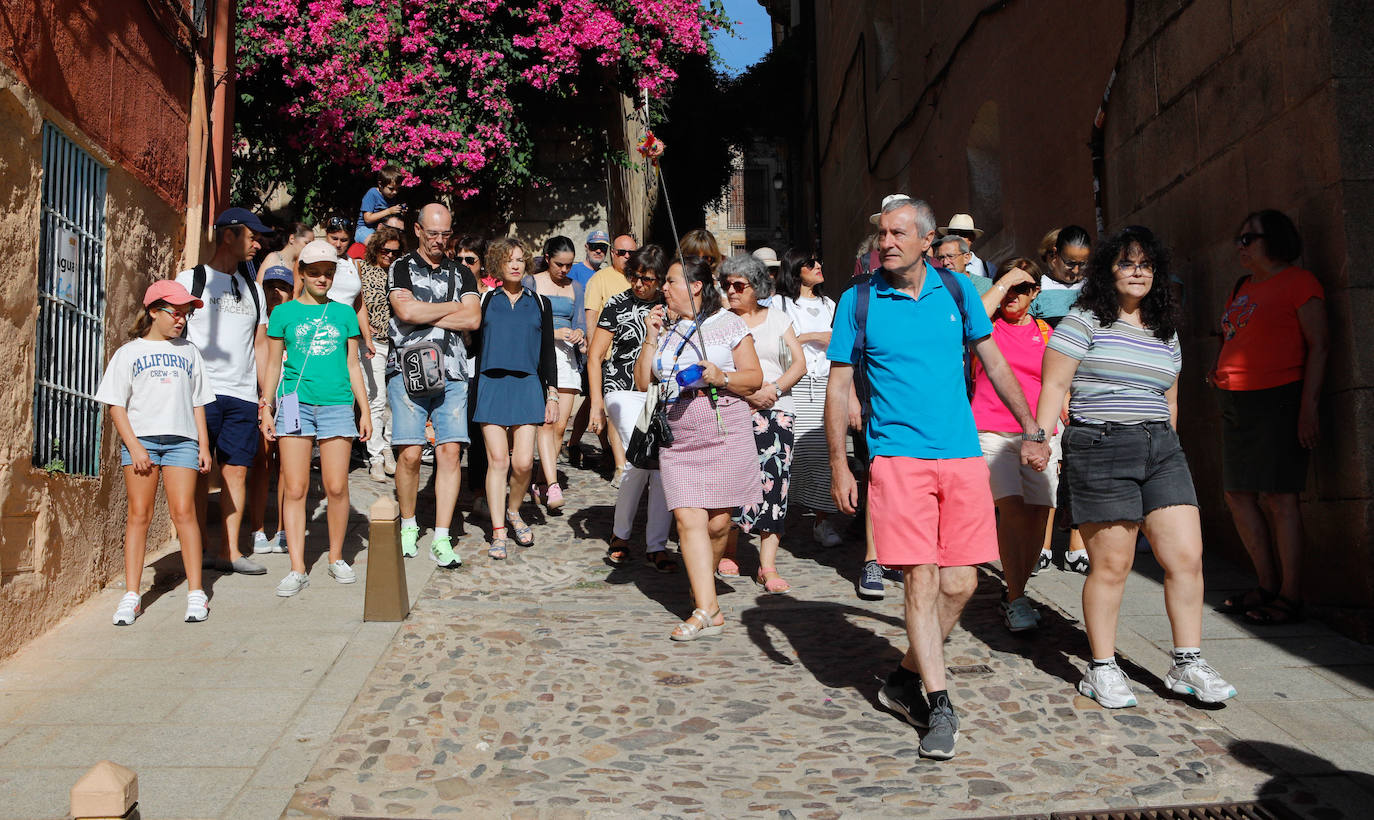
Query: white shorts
[[1008, 476], [568, 358]]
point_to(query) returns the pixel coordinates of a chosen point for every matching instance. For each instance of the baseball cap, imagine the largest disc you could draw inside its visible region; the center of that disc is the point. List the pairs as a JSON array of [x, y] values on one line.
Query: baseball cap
[[889, 198], [279, 273], [170, 291], [241, 216], [598, 238], [768, 257], [318, 251]]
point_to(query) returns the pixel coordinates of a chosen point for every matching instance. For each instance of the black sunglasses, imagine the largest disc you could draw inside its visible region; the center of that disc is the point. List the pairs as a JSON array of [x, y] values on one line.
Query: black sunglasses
[[1247, 239], [636, 277], [467, 260], [812, 262], [623, 251]]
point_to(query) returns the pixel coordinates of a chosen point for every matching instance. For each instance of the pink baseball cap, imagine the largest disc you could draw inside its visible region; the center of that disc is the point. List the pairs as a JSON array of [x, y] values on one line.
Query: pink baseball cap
[[170, 291]]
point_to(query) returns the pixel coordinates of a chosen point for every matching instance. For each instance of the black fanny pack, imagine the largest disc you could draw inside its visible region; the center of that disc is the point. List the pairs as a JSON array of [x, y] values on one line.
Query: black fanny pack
[[422, 366]]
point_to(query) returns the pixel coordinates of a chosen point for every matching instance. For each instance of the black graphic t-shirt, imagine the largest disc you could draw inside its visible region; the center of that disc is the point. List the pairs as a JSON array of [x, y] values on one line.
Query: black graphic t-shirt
[[623, 316]]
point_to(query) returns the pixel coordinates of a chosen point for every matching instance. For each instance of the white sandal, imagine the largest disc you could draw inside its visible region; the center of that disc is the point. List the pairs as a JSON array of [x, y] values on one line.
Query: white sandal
[[698, 625]]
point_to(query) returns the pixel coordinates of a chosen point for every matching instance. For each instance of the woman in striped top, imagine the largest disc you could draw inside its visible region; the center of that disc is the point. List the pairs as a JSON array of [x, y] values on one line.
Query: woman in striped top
[[1118, 351]]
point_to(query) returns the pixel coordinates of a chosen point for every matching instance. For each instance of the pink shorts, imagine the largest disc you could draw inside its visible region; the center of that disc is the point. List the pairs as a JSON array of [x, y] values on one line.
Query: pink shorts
[[932, 511]]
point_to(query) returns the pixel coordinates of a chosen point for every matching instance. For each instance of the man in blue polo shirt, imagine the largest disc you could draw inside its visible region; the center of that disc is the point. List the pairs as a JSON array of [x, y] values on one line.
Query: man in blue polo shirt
[[928, 495]]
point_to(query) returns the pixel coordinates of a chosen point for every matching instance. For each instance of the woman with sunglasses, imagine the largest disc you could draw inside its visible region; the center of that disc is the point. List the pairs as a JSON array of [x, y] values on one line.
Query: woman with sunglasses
[[383, 247], [1119, 352], [747, 285], [1268, 377], [615, 346], [710, 469], [800, 294]]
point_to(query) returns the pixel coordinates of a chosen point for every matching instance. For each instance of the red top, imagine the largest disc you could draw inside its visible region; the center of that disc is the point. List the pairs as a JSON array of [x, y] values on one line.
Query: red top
[[1262, 342]]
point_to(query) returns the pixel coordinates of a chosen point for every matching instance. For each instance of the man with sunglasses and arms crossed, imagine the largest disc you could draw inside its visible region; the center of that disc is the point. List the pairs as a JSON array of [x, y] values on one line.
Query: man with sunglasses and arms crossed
[[231, 333]]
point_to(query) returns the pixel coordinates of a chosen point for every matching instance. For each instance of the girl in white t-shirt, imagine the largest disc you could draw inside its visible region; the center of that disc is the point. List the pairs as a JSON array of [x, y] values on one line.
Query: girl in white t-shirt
[[157, 392]]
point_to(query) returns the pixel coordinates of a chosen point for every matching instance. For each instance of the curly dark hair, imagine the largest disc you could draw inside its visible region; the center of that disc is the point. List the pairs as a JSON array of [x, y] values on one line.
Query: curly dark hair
[[1158, 312]]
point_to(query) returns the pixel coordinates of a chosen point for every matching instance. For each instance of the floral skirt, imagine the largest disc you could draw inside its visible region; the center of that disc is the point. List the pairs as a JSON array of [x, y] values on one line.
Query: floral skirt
[[773, 437]]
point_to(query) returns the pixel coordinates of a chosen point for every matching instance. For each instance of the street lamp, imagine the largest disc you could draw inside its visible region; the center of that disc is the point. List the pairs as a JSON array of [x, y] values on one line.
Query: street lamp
[[777, 181]]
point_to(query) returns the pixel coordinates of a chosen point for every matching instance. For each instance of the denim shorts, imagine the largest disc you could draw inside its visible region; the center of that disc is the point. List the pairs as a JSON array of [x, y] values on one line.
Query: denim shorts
[[166, 451], [322, 421], [1123, 472], [448, 413]]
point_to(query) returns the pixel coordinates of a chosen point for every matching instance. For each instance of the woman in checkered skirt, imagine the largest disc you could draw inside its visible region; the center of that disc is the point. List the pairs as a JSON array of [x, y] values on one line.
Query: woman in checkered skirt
[[712, 467]]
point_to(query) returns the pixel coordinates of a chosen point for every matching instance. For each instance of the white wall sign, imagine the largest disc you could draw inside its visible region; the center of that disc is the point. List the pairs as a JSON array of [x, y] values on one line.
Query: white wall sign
[[68, 257]]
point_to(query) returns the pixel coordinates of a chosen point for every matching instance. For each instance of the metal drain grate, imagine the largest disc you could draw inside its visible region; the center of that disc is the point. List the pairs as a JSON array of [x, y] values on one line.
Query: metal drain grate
[[972, 669], [1209, 811]]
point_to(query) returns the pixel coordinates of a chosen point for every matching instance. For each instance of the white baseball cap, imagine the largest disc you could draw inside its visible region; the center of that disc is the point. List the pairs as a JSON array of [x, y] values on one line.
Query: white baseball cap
[[318, 251]]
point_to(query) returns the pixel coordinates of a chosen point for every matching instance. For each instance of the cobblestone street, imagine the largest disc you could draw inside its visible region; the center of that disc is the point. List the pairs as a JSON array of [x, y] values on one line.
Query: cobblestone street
[[547, 686]]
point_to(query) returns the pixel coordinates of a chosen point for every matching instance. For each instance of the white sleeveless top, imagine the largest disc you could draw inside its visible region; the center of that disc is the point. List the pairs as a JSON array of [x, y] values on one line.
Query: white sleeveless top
[[769, 345], [347, 284]]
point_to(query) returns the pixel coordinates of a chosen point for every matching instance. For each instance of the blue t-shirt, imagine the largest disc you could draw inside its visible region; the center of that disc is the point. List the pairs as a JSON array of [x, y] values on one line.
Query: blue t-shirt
[[919, 404], [373, 201], [581, 273]]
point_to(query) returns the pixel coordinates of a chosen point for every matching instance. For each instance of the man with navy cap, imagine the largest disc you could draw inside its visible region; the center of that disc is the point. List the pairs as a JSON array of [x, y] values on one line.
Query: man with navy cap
[[231, 332], [598, 245]]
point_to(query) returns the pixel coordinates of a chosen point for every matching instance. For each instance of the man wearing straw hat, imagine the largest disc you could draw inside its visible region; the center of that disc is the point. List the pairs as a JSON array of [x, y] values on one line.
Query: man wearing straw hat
[[962, 225]]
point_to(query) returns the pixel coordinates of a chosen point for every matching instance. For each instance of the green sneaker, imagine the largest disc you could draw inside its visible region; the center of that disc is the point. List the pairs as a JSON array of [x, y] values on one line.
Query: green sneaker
[[409, 537], [442, 553]]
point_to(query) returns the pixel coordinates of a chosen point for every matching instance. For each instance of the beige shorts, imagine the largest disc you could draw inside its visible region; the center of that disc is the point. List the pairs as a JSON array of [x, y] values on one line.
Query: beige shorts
[[1008, 476]]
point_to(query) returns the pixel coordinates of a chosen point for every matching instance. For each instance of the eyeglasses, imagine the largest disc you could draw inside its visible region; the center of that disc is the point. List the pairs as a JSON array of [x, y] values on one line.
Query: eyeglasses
[[178, 314], [624, 251], [468, 260], [438, 234], [1247, 239], [1141, 268], [737, 287], [634, 277], [950, 257], [1071, 265], [337, 223]]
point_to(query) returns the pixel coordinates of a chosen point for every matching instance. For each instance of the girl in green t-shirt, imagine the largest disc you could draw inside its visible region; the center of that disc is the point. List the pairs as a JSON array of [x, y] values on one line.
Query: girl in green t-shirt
[[313, 390]]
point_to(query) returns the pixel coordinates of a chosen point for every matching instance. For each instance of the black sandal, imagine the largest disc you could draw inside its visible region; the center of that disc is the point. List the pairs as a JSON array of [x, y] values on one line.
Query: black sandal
[[1245, 601], [618, 553], [662, 561], [1277, 612]]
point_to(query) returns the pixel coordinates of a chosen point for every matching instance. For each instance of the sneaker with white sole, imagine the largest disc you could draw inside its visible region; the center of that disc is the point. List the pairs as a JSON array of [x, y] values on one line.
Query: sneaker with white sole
[[278, 543], [441, 550], [410, 537], [938, 743], [1042, 563], [825, 533], [261, 546], [1019, 615], [1107, 685], [247, 566], [871, 581], [293, 583], [342, 572], [905, 700], [1077, 562], [130, 607], [197, 606], [1195, 677]]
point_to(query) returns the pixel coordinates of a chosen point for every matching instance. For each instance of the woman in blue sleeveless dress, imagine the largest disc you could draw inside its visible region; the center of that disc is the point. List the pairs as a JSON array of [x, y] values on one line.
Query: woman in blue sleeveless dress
[[516, 387]]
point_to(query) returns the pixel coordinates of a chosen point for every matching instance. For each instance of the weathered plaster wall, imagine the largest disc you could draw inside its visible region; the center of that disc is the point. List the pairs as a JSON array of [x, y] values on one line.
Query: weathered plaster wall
[[61, 536]]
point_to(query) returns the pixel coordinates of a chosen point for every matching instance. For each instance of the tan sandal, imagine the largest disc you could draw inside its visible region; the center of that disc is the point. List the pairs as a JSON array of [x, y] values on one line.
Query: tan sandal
[[698, 625]]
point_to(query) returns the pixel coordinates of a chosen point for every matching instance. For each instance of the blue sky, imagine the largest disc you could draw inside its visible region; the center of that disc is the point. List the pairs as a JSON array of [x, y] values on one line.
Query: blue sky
[[752, 39]]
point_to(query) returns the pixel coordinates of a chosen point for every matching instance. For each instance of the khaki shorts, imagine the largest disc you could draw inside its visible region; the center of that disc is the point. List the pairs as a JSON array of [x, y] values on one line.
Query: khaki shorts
[[1008, 476]]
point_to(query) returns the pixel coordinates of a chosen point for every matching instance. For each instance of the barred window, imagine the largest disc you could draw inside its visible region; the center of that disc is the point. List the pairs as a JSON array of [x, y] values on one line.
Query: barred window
[[70, 343]]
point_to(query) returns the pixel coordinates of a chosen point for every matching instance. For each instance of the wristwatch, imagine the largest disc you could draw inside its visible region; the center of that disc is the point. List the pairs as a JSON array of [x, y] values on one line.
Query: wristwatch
[[1038, 436], [779, 390], [725, 383]]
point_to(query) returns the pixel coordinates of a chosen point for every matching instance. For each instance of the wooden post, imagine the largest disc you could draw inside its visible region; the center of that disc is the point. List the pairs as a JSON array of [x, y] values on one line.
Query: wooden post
[[107, 790], [386, 598]]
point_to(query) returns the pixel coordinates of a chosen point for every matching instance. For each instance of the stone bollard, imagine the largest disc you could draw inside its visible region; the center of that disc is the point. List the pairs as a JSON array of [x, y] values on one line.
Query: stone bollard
[[107, 790], [386, 598]]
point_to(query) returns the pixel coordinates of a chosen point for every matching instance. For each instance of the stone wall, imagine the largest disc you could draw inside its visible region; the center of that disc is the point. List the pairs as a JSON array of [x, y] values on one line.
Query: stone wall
[[61, 536], [1220, 107]]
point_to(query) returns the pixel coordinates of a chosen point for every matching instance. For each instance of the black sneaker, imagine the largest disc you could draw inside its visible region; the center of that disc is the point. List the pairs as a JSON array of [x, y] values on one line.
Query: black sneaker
[[938, 744], [906, 701]]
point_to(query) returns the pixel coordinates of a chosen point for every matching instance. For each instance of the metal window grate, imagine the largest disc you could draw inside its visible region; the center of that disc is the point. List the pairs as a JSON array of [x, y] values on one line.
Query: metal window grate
[[70, 345]]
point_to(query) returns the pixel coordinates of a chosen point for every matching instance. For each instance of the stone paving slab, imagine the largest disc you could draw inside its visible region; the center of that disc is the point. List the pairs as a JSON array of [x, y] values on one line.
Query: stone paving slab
[[547, 686]]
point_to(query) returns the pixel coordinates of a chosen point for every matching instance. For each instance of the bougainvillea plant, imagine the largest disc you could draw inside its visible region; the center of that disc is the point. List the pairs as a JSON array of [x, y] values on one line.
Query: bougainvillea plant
[[443, 88]]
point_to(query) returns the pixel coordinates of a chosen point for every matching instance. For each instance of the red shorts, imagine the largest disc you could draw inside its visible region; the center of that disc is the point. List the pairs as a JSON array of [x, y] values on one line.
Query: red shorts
[[932, 511]]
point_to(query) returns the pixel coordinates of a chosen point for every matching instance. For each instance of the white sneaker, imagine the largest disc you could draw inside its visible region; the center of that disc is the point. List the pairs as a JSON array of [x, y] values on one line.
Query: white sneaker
[[825, 534], [197, 606], [342, 572], [293, 582], [1196, 678], [376, 471], [130, 607], [261, 545], [1107, 685], [279, 542]]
